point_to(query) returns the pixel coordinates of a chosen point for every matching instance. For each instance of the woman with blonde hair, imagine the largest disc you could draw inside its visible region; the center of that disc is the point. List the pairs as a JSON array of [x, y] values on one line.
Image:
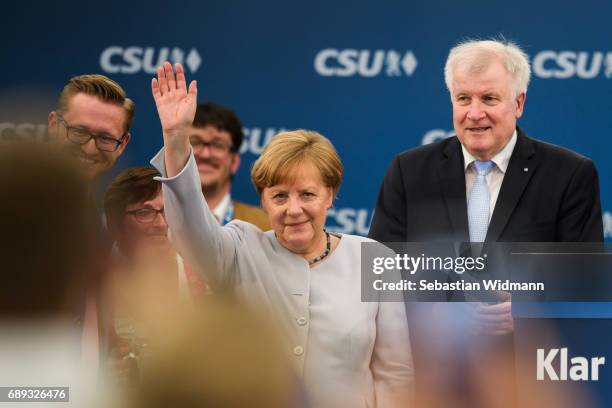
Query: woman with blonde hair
[[348, 353]]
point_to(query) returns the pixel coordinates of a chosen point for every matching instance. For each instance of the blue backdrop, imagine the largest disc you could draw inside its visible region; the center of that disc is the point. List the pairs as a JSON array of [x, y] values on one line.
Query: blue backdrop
[[367, 75]]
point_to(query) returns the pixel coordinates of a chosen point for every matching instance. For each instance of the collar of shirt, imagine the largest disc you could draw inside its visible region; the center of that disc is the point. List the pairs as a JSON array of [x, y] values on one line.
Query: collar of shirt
[[221, 209], [501, 159]]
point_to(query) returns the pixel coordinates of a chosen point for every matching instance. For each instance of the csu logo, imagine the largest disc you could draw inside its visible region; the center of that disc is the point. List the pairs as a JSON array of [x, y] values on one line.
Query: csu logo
[[435, 135], [349, 220], [23, 131], [255, 139], [130, 60], [567, 64], [607, 224], [365, 63]]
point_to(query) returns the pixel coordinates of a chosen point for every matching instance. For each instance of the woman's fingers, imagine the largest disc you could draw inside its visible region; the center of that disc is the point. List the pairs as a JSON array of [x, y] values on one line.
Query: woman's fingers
[[193, 88], [181, 83], [169, 76], [161, 79], [166, 81], [155, 89]]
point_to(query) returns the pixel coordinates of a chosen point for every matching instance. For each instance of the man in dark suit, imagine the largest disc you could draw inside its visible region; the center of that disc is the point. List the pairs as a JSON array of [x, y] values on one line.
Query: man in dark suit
[[538, 191], [491, 182], [548, 194]]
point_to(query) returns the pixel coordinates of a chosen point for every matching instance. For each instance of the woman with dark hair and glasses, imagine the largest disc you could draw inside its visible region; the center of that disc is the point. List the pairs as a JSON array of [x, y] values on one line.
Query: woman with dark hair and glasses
[[148, 275], [134, 209]]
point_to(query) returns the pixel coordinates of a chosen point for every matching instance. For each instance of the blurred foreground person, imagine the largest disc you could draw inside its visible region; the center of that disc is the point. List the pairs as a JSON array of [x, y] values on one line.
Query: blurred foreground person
[[349, 353], [492, 374], [224, 355], [46, 248], [146, 276], [134, 209]]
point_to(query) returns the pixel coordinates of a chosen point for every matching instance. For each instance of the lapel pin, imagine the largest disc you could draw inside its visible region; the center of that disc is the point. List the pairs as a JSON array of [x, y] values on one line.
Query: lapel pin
[[526, 169]]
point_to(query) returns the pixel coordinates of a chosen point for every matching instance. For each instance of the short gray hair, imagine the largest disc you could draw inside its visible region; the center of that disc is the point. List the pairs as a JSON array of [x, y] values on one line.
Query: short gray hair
[[476, 55]]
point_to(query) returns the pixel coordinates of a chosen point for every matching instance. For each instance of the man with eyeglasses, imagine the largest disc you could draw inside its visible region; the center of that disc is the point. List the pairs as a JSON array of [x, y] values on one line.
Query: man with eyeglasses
[[92, 122], [92, 119], [216, 136]]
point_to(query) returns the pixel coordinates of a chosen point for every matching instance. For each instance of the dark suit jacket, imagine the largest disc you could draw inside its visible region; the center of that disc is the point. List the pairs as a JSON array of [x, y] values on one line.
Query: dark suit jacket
[[549, 194]]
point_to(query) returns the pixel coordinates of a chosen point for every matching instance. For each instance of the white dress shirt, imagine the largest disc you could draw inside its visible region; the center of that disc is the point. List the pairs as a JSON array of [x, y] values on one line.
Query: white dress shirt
[[221, 209], [495, 177]]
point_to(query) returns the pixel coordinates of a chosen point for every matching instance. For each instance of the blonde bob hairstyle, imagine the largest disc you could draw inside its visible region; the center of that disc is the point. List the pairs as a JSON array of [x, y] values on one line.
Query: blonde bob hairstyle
[[288, 151]]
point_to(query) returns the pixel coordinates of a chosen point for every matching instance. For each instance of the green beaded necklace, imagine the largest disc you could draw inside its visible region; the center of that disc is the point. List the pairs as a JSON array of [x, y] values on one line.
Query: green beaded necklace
[[325, 253]]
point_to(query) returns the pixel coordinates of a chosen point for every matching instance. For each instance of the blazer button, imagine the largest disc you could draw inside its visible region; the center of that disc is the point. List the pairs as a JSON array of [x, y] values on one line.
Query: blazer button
[[298, 350], [302, 321]]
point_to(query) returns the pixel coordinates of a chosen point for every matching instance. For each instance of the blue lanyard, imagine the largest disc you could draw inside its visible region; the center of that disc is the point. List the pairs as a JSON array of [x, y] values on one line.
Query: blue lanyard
[[229, 214]]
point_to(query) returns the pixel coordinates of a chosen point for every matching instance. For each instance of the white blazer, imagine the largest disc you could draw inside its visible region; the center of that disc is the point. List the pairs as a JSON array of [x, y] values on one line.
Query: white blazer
[[348, 353]]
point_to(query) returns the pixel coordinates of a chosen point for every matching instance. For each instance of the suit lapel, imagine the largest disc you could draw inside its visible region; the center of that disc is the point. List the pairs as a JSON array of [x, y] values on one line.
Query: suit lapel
[[515, 180], [452, 183]]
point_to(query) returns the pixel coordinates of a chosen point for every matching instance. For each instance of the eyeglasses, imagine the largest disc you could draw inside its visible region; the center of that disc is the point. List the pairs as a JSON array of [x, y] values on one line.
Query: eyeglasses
[[79, 135], [146, 215], [216, 146]]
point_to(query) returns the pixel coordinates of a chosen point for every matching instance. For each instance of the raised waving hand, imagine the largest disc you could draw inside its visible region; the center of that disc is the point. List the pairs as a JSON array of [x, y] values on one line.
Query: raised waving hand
[[176, 106]]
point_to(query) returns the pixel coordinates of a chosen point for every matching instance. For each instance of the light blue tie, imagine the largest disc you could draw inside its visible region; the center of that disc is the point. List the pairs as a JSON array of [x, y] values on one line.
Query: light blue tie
[[478, 204]]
